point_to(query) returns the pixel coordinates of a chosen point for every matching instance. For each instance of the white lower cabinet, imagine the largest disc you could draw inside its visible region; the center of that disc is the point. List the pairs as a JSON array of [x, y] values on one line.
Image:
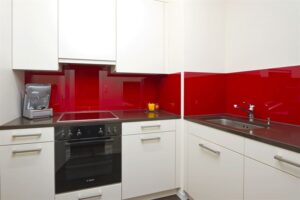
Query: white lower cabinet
[[148, 163], [263, 182], [109, 192], [214, 172], [27, 171]]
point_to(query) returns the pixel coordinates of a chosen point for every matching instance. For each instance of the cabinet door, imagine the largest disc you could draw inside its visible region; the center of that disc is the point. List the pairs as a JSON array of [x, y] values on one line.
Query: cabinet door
[[214, 173], [263, 182], [87, 31], [140, 36], [148, 163], [34, 34], [27, 171]]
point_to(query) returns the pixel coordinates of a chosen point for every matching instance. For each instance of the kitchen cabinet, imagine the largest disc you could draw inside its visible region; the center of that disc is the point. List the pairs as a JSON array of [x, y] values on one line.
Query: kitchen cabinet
[[27, 170], [148, 159], [266, 177], [214, 172], [34, 35], [220, 165], [141, 36], [108, 192], [263, 182], [87, 31]]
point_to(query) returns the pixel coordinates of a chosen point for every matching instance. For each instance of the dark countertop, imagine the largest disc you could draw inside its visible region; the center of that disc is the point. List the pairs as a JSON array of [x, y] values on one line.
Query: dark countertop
[[123, 116], [283, 135]]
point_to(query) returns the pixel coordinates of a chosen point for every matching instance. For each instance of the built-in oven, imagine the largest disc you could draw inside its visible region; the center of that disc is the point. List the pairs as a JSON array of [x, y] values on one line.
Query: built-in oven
[[87, 156]]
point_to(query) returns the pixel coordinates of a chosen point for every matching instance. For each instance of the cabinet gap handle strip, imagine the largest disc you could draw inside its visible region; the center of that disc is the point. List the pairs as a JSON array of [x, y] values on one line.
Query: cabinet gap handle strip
[[90, 197], [209, 149], [281, 159], [149, 139], [38, 135], [27, 151], [150, 127]]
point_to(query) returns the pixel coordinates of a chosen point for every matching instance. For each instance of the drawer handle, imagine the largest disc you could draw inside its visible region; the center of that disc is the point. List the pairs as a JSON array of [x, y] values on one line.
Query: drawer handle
[[209, 149], [90, 197], [150, 139], [151, 127], [38, 135], [281, 159], [37, 151]]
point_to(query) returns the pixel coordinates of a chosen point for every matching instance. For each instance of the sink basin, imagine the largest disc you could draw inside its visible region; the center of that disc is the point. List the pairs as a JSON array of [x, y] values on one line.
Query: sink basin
[[235, 123]]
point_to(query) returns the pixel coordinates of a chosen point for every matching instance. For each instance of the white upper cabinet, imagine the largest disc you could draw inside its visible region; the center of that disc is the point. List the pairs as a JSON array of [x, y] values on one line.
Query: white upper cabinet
[[34, 34], [87, 31], [141, 36]]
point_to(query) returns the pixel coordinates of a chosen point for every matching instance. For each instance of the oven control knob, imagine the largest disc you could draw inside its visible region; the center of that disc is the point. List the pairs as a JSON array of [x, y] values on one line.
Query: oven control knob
[[100, 132], [70, 133], [62, 134], [115, 130], [79, 133], [108, 130]]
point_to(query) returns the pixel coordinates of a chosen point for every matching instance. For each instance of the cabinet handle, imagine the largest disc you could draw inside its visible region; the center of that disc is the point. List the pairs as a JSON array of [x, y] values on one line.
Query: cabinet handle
[[281, 159], [95, 196], [150, 139], [151, 127], [209, 149], [38, 135], [27, 151]]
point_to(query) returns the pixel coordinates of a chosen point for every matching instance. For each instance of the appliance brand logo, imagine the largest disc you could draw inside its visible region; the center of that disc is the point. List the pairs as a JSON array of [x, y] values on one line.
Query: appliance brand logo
[[90, 180]]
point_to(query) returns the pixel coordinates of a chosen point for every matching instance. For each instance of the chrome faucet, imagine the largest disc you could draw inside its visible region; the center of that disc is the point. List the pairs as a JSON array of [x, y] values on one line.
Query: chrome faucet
[[249, 111]]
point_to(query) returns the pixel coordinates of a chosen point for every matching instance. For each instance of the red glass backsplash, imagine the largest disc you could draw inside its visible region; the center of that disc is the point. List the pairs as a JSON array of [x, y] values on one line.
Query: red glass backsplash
[[88, 87], [274, 92], [205, 93]]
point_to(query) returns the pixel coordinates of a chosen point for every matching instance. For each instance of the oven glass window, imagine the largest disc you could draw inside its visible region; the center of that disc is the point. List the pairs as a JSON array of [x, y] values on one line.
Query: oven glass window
[[87, 163]]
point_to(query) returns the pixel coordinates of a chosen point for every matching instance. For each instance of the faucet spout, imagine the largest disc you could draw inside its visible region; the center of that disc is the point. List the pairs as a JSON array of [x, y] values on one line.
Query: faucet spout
[[249, 111]]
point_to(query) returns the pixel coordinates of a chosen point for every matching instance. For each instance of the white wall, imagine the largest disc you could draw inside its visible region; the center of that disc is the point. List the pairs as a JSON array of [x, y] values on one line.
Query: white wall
[[10, 82], [204, 36], [262, 34]]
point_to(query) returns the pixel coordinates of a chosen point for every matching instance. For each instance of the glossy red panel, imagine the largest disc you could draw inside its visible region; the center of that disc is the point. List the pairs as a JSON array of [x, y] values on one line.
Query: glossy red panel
[[205, 93], [274, 92], [88, 87], [170, 93]]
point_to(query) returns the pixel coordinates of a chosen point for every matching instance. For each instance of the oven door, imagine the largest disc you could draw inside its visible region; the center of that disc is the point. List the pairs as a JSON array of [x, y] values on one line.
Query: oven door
[[87, 163]]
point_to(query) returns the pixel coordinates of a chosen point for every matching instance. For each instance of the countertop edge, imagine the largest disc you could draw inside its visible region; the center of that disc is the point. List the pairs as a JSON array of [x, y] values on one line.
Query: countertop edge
[[56, 124], [253, 137]]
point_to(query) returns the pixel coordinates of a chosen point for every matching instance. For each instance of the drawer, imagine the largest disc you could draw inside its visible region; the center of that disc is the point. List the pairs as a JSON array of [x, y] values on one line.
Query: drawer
[[274, 156], [22, 136], [131, 128], [148, 164], [222, 138], [109, 192]]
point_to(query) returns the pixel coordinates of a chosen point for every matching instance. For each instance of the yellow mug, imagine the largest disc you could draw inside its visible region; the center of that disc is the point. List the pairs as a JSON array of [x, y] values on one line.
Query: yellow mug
[[151, 107]]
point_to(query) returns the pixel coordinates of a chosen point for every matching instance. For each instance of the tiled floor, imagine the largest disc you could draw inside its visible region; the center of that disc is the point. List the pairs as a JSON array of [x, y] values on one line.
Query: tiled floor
[[173, 197]]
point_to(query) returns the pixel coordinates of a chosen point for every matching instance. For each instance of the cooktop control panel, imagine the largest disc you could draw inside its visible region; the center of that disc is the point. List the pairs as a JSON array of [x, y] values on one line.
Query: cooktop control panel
[[87, 131]]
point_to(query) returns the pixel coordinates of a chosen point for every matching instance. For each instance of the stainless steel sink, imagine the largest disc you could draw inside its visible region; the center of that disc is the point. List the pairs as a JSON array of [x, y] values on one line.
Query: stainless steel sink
[[235, 123]]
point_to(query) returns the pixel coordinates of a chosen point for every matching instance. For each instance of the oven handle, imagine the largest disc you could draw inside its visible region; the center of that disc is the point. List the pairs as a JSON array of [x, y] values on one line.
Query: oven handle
[[89, 142]]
